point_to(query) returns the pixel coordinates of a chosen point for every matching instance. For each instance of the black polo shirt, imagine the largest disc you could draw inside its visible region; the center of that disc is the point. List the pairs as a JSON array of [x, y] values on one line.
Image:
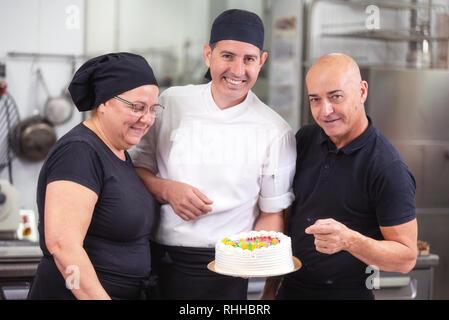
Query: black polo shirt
[[363, 185]]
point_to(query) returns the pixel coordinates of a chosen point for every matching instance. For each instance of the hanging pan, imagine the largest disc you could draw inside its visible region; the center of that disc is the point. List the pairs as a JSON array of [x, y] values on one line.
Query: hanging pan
[[58, 109], [33, 137]]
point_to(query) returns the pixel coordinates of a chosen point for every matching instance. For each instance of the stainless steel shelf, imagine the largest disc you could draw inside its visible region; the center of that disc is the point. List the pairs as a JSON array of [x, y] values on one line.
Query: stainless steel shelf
[[386, 35], [395, 5]]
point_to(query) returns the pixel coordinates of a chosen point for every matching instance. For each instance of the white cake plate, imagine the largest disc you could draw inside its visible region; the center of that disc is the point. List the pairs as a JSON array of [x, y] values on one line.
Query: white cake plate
[[296, 266]]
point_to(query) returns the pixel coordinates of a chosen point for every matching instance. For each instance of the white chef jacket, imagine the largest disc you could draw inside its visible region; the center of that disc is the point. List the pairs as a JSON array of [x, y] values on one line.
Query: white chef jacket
[[242, 158]]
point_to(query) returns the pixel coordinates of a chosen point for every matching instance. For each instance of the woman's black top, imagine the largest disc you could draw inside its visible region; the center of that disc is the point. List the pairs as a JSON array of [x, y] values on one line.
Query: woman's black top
[[117, 240]]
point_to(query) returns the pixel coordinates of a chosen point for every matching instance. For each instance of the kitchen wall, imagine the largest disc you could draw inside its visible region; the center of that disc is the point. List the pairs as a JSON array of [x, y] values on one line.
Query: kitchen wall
[[38, 26], [167, 33]]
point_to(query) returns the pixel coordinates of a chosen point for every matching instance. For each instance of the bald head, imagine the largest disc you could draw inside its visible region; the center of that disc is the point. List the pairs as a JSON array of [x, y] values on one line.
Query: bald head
[[335, 65], [337, 95]]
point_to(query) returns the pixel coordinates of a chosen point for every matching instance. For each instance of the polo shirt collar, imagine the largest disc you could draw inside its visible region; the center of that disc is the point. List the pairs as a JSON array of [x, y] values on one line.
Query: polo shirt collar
[[354, 145]]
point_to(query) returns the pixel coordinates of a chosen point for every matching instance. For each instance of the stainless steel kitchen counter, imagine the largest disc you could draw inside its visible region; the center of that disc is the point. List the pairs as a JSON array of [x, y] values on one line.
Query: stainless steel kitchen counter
[[418, 284], [426, 261], [10, 270], [18, 264]]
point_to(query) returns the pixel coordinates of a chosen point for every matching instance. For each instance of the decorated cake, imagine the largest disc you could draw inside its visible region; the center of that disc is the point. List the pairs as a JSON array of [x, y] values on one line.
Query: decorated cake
[[254, 253]]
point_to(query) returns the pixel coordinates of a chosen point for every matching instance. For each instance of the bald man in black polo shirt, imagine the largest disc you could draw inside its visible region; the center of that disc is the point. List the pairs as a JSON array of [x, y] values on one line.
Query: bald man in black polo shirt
[[354, 195]]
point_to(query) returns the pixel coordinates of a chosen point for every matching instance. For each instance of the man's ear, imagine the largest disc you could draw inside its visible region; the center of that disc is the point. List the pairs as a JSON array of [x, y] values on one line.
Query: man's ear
[[263, 58], [363, 91], [207, 52]]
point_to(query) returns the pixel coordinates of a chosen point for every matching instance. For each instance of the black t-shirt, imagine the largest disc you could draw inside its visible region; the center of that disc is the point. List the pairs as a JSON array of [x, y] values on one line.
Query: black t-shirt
[[363, 185], [117, 240]]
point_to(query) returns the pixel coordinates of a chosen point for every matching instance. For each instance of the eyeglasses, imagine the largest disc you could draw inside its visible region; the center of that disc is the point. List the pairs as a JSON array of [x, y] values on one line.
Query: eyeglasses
[[140, 109]]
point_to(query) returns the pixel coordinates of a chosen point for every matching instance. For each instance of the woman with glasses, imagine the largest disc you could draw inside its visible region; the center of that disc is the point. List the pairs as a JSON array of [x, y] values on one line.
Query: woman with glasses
[[95, 215]]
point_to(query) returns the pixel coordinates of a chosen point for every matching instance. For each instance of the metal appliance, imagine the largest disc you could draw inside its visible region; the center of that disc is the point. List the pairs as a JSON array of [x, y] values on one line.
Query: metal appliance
[[410, 107], [9, 210], [18, 258], [417, 284], [9, 118], [18, 264]]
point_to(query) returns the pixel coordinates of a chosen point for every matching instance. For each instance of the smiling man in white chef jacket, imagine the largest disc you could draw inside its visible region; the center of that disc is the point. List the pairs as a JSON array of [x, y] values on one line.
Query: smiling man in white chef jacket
[[219, 160]]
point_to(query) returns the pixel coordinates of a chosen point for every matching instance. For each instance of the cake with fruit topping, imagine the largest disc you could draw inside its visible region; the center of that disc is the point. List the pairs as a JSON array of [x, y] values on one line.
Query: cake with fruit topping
[[254, 253]]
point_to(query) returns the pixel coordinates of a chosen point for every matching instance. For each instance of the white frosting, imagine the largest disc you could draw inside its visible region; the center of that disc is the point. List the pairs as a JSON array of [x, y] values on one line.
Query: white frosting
[[272, 260]]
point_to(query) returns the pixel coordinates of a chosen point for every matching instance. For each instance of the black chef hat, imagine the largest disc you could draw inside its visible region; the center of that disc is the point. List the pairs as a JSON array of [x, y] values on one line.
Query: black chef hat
[[101, 78], [239, 25]]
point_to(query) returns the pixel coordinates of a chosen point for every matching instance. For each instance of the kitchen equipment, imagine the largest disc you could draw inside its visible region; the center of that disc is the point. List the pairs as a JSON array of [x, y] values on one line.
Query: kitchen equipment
[[420, 52], [410, 108], [9, 118], [3, 87], [442, 29], [415, 285], [18, 264], [346, 26], [33, 137], [9, 210], [2, 70], [28, 227], [59, 109]]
